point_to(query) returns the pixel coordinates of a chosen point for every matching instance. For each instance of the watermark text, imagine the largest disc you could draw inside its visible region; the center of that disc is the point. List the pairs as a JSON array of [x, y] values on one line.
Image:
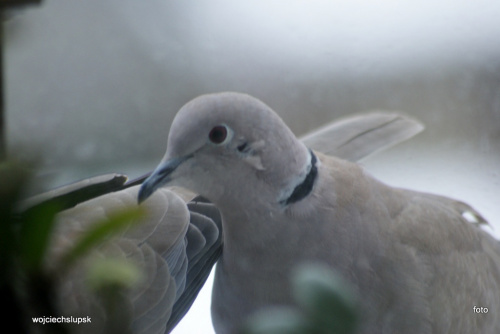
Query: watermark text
[[61, 319], [478, 309]]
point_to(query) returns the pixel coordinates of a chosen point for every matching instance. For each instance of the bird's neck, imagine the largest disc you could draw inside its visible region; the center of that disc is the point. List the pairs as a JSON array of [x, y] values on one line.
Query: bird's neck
[[303, 183], [262, 209]]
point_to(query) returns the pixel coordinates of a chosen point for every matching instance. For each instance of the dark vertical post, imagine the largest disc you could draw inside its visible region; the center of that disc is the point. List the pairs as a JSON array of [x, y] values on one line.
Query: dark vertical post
[[3, 136], [3, 128]]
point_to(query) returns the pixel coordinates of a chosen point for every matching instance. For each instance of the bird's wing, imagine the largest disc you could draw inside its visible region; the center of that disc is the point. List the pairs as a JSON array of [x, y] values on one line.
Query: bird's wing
[[169, 244], [422, 251], [462, 259], [202, 255], [358, 136], [69, 195]]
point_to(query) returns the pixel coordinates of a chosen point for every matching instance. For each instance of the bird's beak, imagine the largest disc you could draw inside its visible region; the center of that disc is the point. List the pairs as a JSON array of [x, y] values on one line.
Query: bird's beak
[[159, 177]]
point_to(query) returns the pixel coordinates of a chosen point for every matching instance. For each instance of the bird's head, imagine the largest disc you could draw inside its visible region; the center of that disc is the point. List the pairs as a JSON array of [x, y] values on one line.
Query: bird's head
[[229, 145]]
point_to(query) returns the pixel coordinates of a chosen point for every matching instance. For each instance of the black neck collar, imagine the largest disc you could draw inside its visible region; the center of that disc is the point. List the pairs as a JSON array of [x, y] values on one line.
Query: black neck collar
[[304, 188]]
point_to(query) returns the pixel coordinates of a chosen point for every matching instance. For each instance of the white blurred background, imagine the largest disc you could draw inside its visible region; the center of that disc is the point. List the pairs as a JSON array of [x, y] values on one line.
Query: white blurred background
[[93, 85]]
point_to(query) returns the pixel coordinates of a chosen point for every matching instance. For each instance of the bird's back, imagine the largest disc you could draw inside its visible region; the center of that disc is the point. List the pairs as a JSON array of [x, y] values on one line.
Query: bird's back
[[430, 269]]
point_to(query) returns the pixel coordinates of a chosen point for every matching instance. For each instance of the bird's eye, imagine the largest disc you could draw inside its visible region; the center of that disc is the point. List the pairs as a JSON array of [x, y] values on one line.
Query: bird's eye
[[218, 134]]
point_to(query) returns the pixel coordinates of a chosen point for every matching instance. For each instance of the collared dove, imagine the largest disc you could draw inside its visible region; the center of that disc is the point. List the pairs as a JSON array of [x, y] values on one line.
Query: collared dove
[[179, 242], [417, 264]]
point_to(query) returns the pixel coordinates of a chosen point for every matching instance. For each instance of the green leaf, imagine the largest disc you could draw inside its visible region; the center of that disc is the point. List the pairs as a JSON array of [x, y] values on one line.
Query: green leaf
[[277, 320], [100, 231], [13, 179], [35, 231], [326, 298], [113, 272]]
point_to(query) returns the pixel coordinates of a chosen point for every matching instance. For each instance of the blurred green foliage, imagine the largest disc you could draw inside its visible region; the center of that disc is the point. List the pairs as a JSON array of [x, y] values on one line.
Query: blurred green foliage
[[113, 224], [326, 304], [27, 288]]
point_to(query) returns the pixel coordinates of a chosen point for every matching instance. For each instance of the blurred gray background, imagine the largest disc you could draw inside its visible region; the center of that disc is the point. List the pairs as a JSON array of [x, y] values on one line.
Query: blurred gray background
[[92, 86]]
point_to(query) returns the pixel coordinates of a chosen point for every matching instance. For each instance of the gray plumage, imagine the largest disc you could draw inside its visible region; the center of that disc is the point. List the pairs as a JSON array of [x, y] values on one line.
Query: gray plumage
[[177, 244], [166, 247], [358, 136], [416, 263]]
